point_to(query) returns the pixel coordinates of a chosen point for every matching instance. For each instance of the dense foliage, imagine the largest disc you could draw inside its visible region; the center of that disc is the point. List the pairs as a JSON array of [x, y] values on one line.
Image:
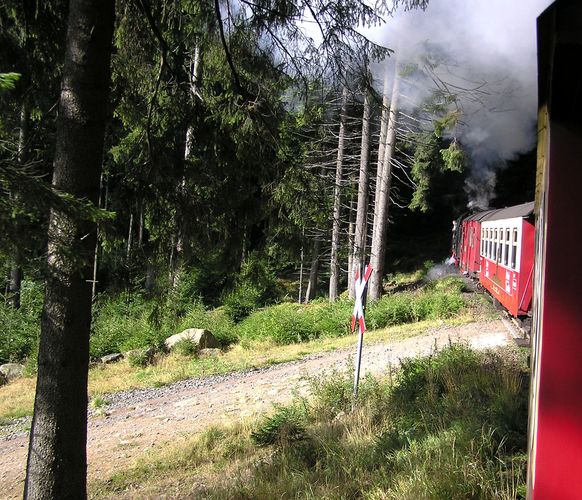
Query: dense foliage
[[127, 321]]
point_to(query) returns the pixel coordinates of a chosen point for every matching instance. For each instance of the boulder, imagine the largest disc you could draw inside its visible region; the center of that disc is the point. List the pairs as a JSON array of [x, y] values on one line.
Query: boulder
[[11, 371], [3, 380], [112, 358], [198, 336]]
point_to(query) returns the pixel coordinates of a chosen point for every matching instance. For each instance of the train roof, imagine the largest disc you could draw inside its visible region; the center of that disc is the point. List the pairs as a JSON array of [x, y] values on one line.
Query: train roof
[[523, 210]]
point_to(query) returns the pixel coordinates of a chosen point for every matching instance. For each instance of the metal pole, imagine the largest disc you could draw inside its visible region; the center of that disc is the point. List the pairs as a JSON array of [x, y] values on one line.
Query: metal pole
[[358, 365], [360, 340]]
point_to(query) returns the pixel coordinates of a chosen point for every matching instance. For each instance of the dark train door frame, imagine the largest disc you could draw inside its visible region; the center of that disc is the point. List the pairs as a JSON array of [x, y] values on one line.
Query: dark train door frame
[[555, 423]]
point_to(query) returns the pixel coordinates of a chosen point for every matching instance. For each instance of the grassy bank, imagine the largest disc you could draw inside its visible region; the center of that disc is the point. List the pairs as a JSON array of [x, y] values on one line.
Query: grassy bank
[[275, 334], [452, 425], [17, 398]]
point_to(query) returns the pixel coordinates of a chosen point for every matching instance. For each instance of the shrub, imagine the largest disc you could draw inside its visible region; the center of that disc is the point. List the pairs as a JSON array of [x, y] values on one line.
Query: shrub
[[185, 347], [242, 301], [255, 286], [283, 427], [440, 299], [125, 322], [288, 323], [21, 327], [140, 358], [215, 320]]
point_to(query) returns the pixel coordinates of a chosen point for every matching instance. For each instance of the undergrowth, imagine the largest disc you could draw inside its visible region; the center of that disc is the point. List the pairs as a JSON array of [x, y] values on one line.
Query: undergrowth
[[451, 425], [289, 323], [21, 327], [125, 321]]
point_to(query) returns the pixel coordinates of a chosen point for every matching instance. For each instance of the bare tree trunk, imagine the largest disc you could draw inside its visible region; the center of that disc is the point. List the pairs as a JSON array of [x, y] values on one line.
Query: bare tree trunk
[[129, 239], [96, 257], [352, 211], [140, 225], [194, 83], [337, 201], [243, 256], [16, 274], [15, 280], [313, 272], [361, 213], [57, 456], [150, 279], [382, 141], [300, 294], [383, 204], [195, 70]]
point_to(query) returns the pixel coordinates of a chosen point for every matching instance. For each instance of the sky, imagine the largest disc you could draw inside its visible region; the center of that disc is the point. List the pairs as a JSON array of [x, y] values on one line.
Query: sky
[[489, 44]]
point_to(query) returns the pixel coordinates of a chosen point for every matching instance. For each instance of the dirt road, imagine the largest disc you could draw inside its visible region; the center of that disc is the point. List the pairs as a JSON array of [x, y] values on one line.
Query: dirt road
[[136, 421]]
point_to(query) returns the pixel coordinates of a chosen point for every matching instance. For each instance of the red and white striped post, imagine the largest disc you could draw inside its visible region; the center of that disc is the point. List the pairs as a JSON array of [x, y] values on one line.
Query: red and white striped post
[[360, 284]]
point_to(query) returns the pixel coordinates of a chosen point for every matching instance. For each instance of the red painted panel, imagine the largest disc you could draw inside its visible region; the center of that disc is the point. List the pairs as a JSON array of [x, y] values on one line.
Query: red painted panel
[[471, 242], [524, 298]]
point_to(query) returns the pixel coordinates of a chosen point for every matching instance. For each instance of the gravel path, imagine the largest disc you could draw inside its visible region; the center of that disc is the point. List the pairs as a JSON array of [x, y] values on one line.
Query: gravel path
[[136, 421]]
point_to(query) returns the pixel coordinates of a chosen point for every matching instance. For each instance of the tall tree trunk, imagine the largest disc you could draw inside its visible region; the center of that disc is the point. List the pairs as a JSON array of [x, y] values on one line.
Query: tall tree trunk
[[313, 272], [361, 213], [337, 201], [194, 85], [382, 141], [96, 257], [129, 239], [57, 456], [16, 273], [382, 207], [352, 218], [15, 280], [243, 253], [140, 225], [300, 294]]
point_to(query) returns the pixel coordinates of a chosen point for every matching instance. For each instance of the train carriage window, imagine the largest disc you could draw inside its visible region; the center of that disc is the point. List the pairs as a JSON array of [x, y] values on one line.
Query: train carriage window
[[489, 243], [514, 249], [506, 247], [495, 241], [482, 251]]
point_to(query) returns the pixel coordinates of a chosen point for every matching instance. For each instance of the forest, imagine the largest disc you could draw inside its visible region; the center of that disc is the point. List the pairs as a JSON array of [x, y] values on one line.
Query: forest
[[215, 164]]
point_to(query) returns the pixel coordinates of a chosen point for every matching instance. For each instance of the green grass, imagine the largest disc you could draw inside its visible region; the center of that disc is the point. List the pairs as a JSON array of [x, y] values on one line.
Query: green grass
[[125, 322], [292, 323], [452, 425], [265, 337]]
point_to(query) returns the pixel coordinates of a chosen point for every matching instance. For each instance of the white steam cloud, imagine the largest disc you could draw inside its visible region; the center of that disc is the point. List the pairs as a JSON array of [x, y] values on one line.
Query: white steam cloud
[[489, 47]]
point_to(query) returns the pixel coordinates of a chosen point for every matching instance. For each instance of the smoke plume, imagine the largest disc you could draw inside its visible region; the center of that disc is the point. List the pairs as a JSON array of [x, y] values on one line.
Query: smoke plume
[[487, 56]]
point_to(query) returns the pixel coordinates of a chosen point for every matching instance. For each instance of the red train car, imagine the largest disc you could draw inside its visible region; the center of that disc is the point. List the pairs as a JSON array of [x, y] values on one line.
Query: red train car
[[507, 256], [497, 246]]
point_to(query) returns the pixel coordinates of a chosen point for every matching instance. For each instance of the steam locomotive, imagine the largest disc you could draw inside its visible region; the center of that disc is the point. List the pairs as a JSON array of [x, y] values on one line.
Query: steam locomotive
[[497, 248]]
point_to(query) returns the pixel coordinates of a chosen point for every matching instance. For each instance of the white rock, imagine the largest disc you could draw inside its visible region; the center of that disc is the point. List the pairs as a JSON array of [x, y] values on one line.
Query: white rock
[[11, 371], [202, 338]]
